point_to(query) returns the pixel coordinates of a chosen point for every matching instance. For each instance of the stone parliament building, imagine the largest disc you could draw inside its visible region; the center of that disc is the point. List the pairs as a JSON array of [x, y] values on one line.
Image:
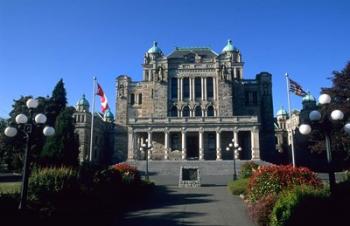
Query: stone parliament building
[[191, 104]]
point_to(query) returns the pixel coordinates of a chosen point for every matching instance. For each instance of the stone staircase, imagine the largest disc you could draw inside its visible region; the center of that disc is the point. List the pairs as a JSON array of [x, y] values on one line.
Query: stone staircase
[[211, 171]]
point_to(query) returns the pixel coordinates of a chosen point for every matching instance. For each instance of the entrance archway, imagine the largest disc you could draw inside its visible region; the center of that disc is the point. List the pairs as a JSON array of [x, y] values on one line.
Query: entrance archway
[[192, 145]]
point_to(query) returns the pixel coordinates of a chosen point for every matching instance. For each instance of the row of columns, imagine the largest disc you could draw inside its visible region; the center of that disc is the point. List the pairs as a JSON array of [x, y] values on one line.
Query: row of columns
[[131, 144], [192, 93]]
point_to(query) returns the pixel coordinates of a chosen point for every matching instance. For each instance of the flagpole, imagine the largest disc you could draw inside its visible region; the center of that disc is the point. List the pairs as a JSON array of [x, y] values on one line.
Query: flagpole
[[290, 118], [92, 117]]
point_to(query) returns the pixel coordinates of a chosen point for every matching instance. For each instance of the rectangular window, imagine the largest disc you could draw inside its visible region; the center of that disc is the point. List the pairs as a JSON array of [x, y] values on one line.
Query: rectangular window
[[174, 88], [186, 88], [246, 97], [210, 87], [255, 98], [198, 87], [238, 73]]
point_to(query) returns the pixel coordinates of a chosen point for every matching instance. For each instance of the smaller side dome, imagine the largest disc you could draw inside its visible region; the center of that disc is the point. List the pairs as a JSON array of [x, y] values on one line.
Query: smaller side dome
[[282, 112], [108, 116], [229, 47], [82, 105], [154, 48], [308, 98]]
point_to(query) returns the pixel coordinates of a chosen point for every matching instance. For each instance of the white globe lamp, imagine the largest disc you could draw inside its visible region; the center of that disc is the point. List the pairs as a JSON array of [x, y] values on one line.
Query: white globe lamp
[[315, 116], [324, 99], [48, 131], [40, 118], [337, 115], [10, 131], [347, 128], [305, 129], [21, 119], [32, 103]]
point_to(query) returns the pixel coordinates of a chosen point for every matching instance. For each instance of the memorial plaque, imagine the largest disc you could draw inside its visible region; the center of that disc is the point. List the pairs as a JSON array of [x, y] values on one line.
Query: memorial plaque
[[189, 177]]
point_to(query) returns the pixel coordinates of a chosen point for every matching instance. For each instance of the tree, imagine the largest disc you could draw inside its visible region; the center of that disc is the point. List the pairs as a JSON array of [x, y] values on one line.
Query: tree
[[57, 102], [340, 93], [62, 148]]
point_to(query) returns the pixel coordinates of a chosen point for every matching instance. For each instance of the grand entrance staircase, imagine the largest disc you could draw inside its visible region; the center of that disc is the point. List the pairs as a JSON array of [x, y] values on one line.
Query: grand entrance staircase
[[211, 172]]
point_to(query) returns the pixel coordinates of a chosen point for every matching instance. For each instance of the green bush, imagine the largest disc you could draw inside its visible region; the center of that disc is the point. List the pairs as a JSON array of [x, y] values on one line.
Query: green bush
[[238, 187], [247, 169], [275, 178], [297, 205], [52, 187]]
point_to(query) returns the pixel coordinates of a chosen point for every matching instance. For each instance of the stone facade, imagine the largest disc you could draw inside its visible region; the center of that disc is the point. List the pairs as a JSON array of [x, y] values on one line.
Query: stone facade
[[104, 134], [191, 104]]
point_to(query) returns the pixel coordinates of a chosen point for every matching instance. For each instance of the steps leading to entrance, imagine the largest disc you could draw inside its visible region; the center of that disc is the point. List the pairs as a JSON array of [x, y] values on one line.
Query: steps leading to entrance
[[172, 168]]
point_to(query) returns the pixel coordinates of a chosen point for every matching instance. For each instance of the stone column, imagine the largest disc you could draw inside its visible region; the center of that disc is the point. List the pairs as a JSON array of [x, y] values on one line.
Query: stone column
[[130, 144], [149, 139], [166, 145], [255, 143], [218, 145], [178, 89], [201, 149], [181, 89], [205, 89], [183, 144], [202, 88]]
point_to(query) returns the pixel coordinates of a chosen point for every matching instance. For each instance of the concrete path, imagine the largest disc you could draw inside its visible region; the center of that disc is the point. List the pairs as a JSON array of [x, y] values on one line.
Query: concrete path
[[205, 206]]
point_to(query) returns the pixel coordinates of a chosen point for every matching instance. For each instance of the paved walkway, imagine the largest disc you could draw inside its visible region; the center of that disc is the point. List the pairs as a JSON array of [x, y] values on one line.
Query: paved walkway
[[205, 206]]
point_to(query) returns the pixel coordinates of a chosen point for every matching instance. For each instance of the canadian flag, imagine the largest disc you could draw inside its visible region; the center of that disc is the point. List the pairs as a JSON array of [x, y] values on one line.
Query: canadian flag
[[103, 98]]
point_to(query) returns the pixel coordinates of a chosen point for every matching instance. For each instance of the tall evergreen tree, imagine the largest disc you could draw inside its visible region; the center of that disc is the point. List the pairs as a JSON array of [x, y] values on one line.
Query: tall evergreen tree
[[57, 102], [340, 142], [62, 148]]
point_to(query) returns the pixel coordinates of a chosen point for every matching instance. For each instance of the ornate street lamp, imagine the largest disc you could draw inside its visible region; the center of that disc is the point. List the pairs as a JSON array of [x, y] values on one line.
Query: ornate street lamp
[[146, 147], [325, 125], [26, 124], [236, 149]]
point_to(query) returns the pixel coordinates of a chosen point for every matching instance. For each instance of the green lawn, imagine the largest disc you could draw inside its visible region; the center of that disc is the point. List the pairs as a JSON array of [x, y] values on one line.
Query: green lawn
[[10, 187]]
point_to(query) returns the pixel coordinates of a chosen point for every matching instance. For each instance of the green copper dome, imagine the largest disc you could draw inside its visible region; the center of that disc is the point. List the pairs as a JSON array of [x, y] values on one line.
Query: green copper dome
[[229, 47], [83, 102], [109, 115], [154, 48], [309, 98], [282, 112]]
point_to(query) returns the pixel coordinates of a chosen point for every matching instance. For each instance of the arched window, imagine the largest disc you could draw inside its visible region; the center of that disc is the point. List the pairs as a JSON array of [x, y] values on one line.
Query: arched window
[[132, 99], [173, 111], [198, 111], [186, 112], [210, 111], [140, 98]]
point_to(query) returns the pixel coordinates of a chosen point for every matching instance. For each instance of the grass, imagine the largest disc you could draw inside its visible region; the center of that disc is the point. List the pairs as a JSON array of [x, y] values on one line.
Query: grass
[[10, 187]]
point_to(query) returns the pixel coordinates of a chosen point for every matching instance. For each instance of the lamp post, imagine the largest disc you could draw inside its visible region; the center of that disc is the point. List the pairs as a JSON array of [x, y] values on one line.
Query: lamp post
[[324, 123], [26, 124], [235, 149], [146, 147]]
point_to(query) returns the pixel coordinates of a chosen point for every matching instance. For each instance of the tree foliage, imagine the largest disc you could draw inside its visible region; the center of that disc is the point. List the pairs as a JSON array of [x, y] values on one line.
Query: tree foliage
[[62, 148], [340, 142], [57, 102]]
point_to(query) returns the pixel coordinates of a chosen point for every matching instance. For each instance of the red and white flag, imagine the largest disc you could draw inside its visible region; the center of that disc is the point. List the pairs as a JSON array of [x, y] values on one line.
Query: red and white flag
[[103, 98]]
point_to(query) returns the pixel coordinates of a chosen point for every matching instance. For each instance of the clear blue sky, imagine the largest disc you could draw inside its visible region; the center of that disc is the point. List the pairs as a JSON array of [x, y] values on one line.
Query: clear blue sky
[[42, 41]]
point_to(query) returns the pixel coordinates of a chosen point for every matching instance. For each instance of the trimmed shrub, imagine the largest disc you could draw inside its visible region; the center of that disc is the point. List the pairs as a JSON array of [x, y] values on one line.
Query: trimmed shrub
[[260, 210], [52, 187], [238, 187], [247, 169], [273, 179], [294, 206]]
